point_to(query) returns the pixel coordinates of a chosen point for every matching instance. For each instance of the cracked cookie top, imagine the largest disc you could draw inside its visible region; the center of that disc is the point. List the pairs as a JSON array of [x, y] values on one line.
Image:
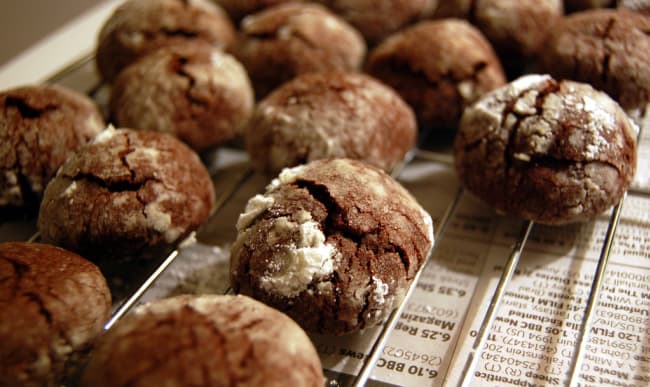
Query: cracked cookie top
[[137, 27], [438, 67], [206, 340], [52, 305], [609, 49], [330, 114], [551, 151], [333, 243], [285, 40], [126, 194], [40, 127], [194, 91]]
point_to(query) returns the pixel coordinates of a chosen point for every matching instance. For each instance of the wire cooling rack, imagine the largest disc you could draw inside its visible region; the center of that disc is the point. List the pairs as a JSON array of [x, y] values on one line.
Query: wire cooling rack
[[81, 76]]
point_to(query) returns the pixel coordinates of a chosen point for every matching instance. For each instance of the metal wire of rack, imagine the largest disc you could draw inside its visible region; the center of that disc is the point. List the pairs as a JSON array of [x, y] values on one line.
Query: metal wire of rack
[[371, 358]]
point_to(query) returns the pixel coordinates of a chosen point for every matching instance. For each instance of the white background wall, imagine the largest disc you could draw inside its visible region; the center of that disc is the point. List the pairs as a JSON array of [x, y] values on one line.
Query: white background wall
[[25, 22]]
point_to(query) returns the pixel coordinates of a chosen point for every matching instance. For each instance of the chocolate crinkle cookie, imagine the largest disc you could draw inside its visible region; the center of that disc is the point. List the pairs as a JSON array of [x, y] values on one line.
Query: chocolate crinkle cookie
[[377, 19], [140, 26], [550, 151], [438, 67], [330, 114], [333, 243], [516, 29], [204, 340], [40, 127], [194, 91], [286, 40], [53, 303], [607, 48], [127, 194]]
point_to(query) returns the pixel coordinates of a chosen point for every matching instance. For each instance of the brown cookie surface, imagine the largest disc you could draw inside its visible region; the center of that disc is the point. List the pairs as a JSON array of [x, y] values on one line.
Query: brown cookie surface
[[333, 243], [40, 127], [517, 29], [137, 27], [193, 91], [53, 303], [126, 194], [283, 41], [206, 340], [438, 67], [377, 19], [330, 114], [609, 49], [551, 151]]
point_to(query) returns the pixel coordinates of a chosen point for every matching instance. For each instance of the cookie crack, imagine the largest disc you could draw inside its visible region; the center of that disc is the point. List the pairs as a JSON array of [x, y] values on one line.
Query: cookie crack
[[366, 295], [114, 187], [262, 35], [220, 336], [20, 269], [401, 251], [179, 32], [251, 324], [509, 158], [27, 110], [53, 354], [564, 164], [125, 161], [27, 194], [171, 353], [42, 310], [401, 66], [607, 50], [331, 225], [178, 65], [303, 38], [248, 355]]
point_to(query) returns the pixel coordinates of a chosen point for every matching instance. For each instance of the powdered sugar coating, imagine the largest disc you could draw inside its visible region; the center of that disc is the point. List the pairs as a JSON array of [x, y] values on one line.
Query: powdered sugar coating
[[305, 259], [301, 259], [554, 152], [380, 292]]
